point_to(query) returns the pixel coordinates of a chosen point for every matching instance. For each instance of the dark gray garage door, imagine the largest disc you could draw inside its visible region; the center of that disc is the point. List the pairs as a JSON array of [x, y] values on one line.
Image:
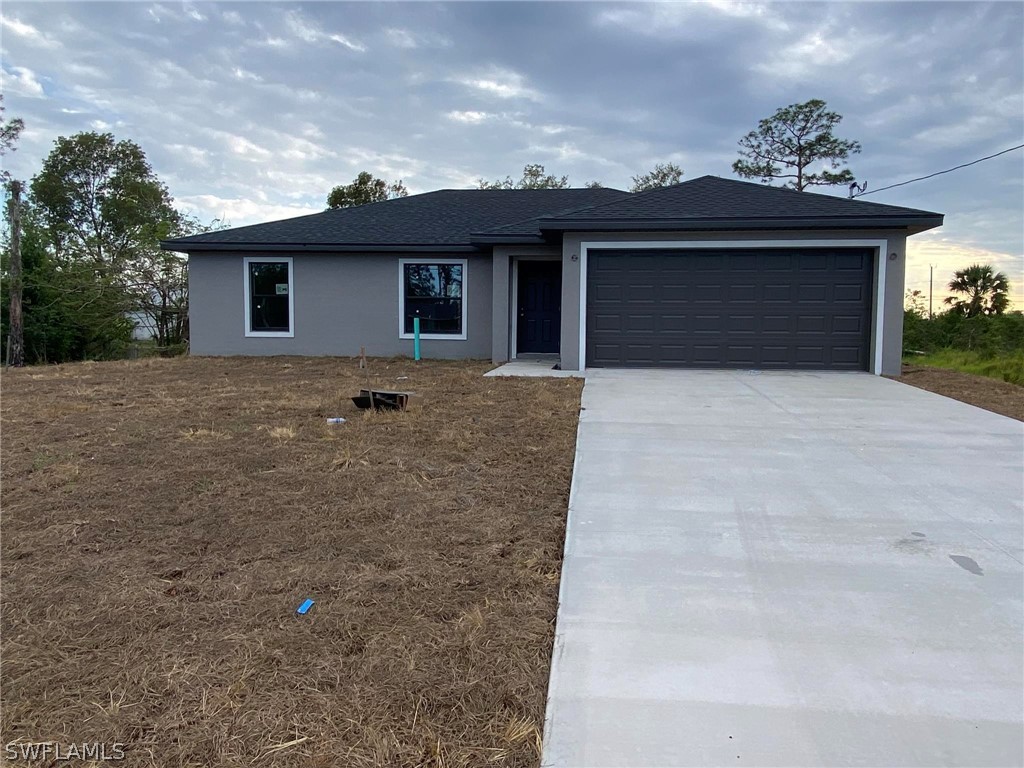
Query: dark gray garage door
[[758, 308]]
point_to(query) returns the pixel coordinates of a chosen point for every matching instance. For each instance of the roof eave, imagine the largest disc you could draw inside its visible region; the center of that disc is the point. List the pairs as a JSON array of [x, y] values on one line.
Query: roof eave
[[485, 239], [196, 247], [913, 224]]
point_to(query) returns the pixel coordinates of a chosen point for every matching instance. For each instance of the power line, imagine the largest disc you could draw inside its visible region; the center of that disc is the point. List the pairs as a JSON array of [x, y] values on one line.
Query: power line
[[939, 173]]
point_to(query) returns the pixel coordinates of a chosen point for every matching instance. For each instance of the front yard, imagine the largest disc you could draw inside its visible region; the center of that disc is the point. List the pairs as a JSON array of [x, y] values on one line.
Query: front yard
[[985, 392], [163, 519]]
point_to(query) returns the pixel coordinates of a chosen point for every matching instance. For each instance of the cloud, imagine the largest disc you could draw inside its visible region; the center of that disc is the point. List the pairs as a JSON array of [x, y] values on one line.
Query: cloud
[[240, 145], [469, 116], [190, 154], [832, 45], [310, 33], [243, 74], [690, 20], [26, 31], [401, 38], [500, 82], [238, 211], [23, 81], [183, 12], [409, 40]]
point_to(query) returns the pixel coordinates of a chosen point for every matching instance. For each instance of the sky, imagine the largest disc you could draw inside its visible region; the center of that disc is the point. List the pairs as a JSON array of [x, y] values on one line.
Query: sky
[[251, 112]]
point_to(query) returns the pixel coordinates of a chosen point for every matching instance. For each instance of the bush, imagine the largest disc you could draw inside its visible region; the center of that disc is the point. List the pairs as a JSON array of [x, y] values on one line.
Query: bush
[[1007, 367], [985, 335]]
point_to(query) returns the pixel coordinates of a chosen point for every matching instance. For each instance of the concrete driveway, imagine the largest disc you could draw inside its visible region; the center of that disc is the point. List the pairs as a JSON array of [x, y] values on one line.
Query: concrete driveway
[[789, 569]]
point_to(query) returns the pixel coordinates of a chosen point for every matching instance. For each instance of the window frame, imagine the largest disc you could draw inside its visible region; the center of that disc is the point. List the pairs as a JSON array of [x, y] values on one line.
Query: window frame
[[247, 293], [433, 261]]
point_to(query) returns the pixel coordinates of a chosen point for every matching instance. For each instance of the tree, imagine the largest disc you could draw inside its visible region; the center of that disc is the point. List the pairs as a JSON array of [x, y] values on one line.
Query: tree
[[9, 133], [15, 317], [365, 188], [534, 177], [10, 130], [663, 175], [594, 185], [980, 291], [72, 311], [101, 211], [100, 199], [914, 302], [792, 142], [157, 283]]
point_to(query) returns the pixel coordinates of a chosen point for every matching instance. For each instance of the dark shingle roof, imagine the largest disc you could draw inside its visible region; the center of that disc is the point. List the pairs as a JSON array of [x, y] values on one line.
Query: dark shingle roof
[[709, 198], [444, 218], [460, 219]]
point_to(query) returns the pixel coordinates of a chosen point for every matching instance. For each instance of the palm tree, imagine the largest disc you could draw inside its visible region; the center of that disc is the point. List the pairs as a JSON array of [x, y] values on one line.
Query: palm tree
[[980, 290]]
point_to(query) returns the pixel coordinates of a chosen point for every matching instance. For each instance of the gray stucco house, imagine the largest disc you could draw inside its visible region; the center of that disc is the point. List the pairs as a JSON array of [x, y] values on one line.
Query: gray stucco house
[[708, 273]]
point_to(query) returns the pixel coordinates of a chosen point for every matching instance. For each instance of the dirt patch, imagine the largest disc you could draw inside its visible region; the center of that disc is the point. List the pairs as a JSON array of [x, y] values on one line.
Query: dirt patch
[[163, 519], [990, 394]]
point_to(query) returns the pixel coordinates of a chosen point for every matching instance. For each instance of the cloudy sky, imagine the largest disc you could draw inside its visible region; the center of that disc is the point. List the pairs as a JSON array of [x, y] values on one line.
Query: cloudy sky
[[253, 111]]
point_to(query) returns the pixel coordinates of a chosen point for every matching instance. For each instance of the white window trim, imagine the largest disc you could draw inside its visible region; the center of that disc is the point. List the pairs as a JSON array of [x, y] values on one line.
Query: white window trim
[[880, 260], [401, 299], [290, 333]]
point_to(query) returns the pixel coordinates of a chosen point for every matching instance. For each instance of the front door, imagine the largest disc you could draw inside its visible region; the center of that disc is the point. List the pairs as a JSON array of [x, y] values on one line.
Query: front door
[[539, 324]]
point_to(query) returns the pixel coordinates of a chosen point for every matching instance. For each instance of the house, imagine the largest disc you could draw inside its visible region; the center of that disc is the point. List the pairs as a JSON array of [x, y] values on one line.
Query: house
[[710, 273]]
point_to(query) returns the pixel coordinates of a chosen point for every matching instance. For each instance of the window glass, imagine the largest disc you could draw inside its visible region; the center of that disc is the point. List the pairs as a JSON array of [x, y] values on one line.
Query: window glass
[[268, 296], [433, 292]]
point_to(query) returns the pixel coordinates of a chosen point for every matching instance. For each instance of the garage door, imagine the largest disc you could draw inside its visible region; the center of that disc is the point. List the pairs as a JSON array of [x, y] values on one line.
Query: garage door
[[757, 308]]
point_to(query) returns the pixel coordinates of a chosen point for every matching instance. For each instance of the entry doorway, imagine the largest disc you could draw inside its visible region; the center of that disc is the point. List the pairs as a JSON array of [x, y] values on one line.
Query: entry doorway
[[539, 307]]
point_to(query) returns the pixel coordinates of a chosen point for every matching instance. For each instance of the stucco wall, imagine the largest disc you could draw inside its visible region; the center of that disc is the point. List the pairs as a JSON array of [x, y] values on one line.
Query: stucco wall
[[892, 315], [342, 302]]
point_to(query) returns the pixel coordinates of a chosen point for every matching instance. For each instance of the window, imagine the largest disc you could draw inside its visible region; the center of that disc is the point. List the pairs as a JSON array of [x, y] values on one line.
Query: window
[[435, 292], [269, 301]]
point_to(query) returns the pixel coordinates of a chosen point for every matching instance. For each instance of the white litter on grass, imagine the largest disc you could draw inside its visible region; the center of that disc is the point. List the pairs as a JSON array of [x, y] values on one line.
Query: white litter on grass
[[336, 420]]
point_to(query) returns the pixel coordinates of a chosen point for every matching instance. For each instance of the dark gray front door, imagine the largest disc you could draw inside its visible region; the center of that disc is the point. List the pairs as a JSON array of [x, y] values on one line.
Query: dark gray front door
[[539, 324], [756, 308]]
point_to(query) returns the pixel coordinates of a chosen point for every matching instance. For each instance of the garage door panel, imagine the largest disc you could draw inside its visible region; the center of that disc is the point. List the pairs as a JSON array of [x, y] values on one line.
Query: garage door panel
[[640, 293], [814, 261], [742, 262], [777, 293], [810, 293], [643, 324], [608, 293], [741, 324], [855, 261], [848, 324], [754, 308], [853, 293], [811, 324], [743, 294], [845, 355]]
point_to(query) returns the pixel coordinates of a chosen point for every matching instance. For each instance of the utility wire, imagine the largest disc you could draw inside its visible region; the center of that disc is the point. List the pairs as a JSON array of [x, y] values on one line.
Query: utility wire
[[939, 173]]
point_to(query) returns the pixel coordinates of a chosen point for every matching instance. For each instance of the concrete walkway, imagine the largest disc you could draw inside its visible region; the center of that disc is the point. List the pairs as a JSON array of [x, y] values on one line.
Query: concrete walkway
[[789, 569]]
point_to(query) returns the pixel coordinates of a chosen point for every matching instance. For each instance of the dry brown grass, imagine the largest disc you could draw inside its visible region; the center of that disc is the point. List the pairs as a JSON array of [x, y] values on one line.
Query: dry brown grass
[[162, 520]]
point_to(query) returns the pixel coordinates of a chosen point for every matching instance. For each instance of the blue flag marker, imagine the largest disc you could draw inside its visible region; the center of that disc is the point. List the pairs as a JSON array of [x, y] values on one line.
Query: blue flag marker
[[304, 608]]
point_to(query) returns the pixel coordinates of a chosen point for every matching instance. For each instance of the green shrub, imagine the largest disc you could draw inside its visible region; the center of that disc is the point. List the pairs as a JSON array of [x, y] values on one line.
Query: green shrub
[[986, 335], [1007, 366]]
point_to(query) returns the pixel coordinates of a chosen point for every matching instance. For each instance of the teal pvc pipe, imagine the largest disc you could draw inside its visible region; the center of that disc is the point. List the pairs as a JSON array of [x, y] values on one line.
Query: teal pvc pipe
[[416, 338]]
